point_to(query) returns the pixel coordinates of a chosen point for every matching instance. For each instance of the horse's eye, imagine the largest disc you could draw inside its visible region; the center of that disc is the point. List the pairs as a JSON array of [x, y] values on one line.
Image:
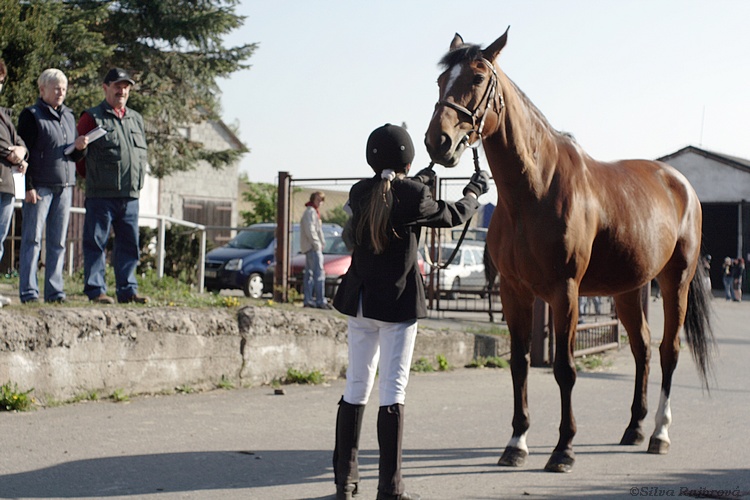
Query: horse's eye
[[478, 79]]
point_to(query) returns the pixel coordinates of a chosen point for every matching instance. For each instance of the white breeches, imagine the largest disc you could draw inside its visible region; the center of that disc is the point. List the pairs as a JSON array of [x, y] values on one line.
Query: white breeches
[[383, 348]]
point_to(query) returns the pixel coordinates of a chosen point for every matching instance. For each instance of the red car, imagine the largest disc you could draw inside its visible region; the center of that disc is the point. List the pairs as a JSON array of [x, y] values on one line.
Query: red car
[[336, 261]]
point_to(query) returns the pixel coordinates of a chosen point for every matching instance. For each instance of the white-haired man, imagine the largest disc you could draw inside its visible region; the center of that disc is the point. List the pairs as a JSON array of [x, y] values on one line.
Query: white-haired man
[[48, 128]]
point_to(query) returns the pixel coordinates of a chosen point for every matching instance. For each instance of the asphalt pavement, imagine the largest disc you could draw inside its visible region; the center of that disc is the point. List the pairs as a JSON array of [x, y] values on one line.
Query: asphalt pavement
[[252, 444]]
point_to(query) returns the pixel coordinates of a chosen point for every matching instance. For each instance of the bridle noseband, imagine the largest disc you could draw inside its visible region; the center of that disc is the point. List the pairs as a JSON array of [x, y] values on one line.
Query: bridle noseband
[[488, 98]]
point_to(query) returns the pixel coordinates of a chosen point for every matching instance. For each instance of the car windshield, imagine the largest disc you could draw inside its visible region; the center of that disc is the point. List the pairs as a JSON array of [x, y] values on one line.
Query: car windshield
[[335, 245], [252, 239], [446, 251]]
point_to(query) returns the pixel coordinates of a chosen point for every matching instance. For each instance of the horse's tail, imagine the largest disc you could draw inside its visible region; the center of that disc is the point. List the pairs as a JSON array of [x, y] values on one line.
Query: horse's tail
[[698, 330]]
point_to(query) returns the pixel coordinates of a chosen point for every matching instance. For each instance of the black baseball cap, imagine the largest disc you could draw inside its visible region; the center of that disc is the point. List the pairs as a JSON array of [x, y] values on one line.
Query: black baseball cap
[[118, 75]]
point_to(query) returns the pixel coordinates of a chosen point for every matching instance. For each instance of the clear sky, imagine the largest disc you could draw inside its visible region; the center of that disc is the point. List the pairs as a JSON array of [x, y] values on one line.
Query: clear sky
[[628, 78]]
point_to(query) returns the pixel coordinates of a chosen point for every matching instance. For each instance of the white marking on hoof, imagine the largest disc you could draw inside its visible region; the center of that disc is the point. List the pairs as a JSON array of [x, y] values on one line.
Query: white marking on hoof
[[663, 419]]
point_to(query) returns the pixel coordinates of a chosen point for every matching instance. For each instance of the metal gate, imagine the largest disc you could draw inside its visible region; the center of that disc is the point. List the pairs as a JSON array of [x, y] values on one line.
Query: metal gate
[[463, 286]]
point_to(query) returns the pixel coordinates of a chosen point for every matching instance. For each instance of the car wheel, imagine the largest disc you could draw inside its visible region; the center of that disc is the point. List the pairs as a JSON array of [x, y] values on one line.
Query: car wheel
[[453, 295], [254, 286]]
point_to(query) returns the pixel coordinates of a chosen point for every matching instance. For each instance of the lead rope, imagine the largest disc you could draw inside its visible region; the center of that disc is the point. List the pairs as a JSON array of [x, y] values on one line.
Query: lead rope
[[463, 233]]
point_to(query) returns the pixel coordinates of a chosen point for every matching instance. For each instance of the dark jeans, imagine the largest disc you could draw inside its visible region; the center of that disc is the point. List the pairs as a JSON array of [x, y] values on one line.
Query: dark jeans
[[102, 215]]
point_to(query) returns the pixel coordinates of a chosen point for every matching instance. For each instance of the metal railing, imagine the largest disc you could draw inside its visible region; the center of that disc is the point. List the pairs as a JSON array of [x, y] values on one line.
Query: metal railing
[[161, 221]]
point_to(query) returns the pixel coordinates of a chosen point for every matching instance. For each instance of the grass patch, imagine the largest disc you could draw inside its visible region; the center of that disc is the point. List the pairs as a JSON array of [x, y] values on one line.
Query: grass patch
[[489, 362], [13, 399], [119, 396], [294, 376], [225, 383], [443, 364], [590, 362], [422, 365]]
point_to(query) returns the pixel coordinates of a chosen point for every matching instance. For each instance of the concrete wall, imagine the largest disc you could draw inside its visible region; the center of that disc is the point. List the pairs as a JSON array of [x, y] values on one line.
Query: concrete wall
[[65, 352]]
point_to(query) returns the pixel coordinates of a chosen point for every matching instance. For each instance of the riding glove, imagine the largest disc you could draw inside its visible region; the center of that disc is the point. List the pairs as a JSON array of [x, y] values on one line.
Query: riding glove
[[479, 183], [426, 176]]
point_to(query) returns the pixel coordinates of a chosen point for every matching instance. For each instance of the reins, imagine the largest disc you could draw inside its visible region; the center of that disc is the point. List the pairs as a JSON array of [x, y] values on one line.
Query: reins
[[489, 98], [463, 233]]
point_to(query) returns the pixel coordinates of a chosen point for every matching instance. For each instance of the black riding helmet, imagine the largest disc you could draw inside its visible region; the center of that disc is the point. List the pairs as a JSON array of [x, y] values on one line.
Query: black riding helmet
[[389, 146]]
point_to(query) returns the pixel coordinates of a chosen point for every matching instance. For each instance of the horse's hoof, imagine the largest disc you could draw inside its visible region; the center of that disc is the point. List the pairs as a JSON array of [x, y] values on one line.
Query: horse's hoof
[[560, 461], [513, 457], [658, 446], [632, 437]]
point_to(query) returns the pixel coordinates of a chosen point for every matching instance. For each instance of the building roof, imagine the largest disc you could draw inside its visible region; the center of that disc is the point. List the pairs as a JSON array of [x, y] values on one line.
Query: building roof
[[731, 161]]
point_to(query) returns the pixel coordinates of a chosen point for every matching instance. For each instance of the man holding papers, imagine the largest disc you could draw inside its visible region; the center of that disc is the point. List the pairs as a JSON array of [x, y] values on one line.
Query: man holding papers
[[49, 130], [114, 168]]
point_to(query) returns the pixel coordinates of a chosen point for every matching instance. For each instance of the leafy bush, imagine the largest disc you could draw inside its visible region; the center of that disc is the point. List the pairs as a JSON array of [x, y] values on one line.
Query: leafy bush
[[11, 399]]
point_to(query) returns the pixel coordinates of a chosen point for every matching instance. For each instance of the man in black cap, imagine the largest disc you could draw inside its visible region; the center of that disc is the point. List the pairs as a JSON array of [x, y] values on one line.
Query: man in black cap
[[114, 169]]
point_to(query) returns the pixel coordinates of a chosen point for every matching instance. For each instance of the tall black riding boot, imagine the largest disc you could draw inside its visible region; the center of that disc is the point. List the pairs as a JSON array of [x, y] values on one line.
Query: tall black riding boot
[[390, 436], [345, 461]]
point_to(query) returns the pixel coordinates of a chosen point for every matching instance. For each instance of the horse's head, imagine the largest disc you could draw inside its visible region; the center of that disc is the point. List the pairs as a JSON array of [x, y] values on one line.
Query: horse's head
[[469, 98]]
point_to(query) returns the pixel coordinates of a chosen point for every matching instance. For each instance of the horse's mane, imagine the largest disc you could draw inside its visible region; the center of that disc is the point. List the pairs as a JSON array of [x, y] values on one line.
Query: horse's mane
[[473, 52], [468, 51]]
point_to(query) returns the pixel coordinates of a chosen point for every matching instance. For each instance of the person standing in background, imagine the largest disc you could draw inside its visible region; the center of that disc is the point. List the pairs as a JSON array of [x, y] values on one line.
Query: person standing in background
[[726, 276], [114, 169], [738, 272], [48, 128], [311, 243], [13, 156]]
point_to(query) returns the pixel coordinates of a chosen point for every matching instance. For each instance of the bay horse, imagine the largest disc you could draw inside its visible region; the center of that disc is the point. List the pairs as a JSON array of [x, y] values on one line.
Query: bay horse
[[567, 225]]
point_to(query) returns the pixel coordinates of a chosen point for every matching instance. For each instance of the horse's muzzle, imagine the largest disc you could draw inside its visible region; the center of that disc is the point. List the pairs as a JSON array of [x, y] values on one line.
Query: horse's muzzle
[[446, 152]]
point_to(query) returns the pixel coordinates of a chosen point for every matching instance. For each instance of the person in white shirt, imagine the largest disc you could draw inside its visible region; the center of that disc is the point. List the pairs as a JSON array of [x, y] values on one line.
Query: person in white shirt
[[311, 243]]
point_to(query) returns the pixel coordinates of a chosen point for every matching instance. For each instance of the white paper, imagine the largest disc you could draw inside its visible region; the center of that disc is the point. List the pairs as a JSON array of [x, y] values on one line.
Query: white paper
[[19, 180], [93, 135]]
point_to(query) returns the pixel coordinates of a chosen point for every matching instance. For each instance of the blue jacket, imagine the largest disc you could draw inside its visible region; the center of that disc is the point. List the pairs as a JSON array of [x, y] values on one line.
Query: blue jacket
[[47, 132]]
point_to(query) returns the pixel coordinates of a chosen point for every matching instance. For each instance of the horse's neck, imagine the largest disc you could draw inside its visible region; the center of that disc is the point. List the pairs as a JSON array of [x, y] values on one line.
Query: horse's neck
[[520, 147]]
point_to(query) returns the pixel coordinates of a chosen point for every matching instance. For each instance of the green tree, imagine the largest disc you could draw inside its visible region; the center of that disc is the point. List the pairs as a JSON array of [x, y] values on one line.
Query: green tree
[[45, 34], [263, 197], [336, 215], [173, 48]]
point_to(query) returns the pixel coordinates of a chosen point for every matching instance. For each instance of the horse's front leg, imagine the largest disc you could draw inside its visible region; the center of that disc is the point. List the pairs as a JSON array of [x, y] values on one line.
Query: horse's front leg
[[518, 309], [565, 312]]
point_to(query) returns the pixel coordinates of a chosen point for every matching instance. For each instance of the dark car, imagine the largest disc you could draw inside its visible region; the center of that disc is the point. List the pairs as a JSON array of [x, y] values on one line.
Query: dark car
[[242, 263]]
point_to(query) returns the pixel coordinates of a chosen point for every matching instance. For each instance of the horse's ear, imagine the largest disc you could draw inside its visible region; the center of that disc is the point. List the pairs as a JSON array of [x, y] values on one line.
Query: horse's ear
[[456, 42], [491, 52]]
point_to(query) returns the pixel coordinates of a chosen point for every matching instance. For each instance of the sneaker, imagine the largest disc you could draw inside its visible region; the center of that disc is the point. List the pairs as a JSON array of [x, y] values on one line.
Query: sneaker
[[4, 301], [59, 300], [134, 299], [325, 305], [32, 300], [103, 299]]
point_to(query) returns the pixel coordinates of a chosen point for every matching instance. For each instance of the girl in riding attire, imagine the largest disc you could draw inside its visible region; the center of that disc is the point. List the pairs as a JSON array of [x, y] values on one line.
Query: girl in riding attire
[[383, 295]]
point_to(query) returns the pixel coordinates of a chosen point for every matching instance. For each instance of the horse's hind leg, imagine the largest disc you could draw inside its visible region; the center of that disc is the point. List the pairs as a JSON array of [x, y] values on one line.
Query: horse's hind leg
[[630, 313], [518, 309], [675, 305]]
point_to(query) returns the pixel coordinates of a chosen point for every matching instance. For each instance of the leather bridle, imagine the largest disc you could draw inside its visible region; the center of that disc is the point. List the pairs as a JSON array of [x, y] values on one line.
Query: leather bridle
[[487, 99]]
